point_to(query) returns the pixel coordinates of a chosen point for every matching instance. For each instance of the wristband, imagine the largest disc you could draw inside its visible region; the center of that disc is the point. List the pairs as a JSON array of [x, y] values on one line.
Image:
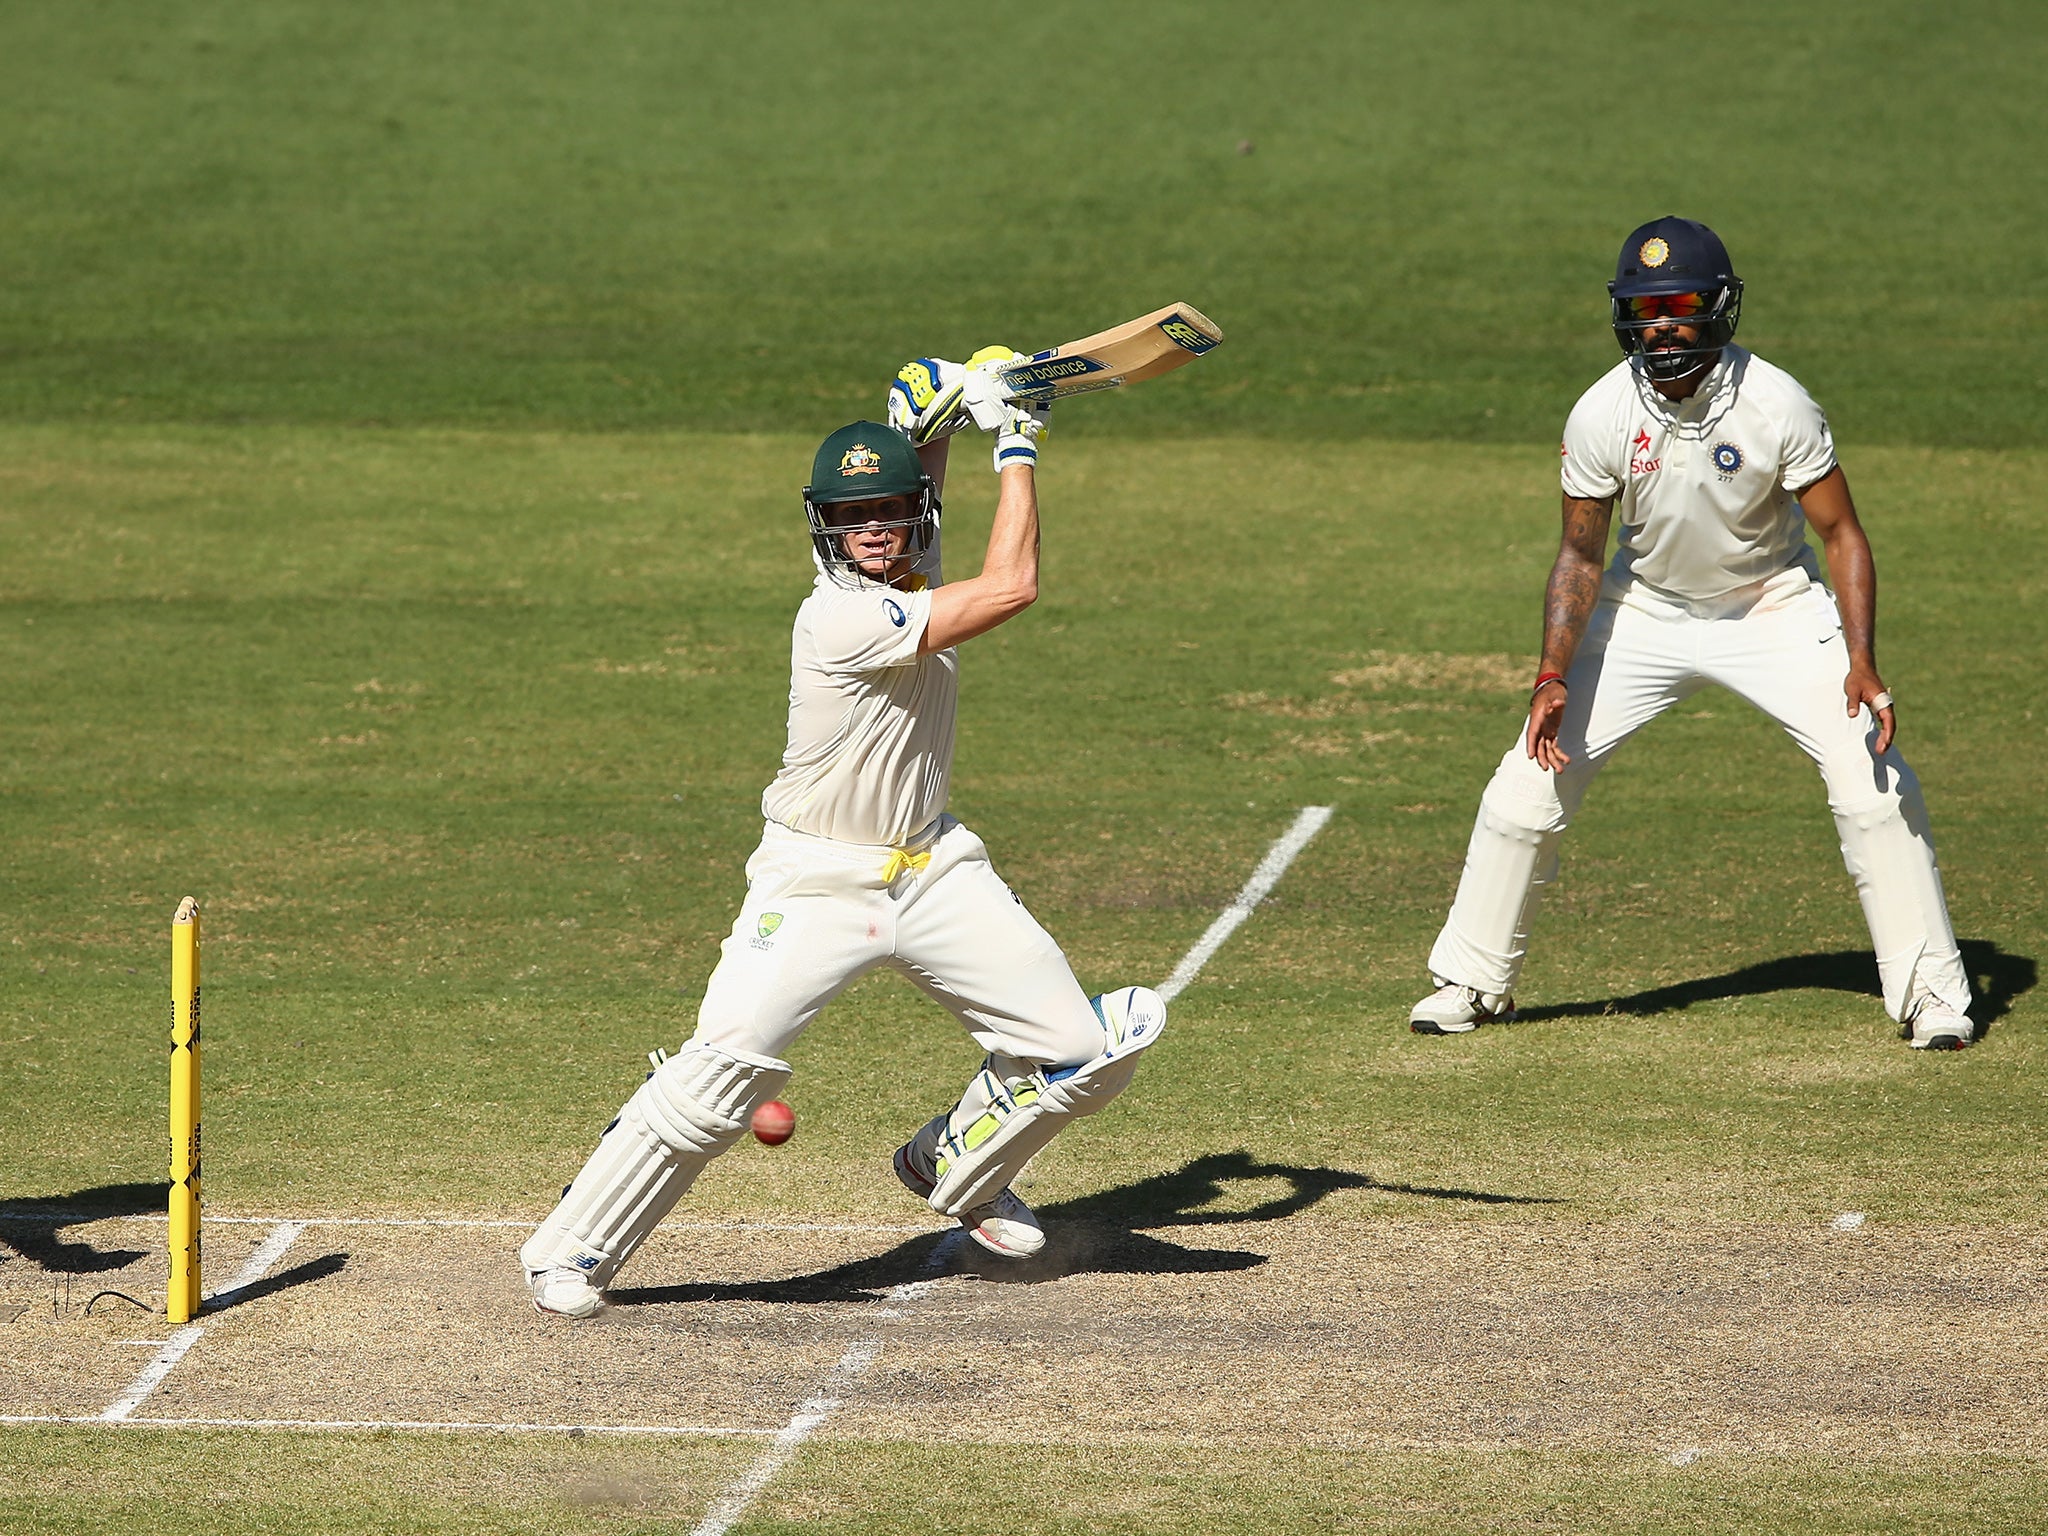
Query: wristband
[[1545, 677]]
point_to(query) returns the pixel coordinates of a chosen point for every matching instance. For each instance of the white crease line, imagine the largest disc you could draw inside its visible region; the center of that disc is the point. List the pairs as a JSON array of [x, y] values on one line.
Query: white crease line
[[726, 1511], [267, 1253], [1313, 819], [810, 1414], [84, 1218], [454, 1425], [152, 1374], [724, 1514]]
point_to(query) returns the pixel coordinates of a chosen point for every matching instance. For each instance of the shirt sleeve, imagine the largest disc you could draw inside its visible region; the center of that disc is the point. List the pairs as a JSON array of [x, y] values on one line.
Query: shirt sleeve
[[872, 629], [1809, 451], [1585, 457]]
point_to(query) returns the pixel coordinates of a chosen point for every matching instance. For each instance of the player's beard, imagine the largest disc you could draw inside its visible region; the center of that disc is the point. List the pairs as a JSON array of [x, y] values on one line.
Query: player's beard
[[1672, 359]]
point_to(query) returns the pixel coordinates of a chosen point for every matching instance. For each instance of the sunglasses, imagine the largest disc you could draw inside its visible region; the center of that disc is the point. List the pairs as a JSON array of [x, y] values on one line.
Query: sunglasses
[[1673, 306]]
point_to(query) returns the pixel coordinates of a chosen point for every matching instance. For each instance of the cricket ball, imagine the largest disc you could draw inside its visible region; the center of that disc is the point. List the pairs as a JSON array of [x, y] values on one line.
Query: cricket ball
[[774, 1123]]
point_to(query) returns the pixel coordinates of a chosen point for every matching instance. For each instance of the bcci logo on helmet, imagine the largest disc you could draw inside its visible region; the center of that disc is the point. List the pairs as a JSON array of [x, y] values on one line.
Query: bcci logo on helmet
[[1655, 252], [860, 459]]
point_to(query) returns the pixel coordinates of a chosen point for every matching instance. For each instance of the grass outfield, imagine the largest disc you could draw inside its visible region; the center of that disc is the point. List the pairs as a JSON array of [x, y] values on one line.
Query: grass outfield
[[633, 1489], [458, 736], [460, 739], [401, 410], [701, 215]]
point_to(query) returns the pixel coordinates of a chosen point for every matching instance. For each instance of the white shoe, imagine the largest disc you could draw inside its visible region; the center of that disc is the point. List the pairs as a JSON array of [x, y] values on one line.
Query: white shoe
[[564, 1292], [1004, 1225], [1934, 1026], [1455, 1010]]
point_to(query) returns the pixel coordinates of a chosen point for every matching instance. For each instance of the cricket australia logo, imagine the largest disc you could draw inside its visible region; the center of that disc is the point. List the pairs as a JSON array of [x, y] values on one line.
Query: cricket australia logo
[[860, 459], [764, 930], [1727, 460]]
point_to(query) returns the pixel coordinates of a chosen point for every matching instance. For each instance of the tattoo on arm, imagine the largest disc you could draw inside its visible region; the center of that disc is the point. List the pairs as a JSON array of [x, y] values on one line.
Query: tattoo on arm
[[1574, 579]]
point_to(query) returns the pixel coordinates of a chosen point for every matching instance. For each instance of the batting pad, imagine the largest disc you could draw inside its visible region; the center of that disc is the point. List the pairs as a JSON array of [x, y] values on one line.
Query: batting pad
[[1888, 849], [691, 1108], [1011, 1110], [1510, 860]]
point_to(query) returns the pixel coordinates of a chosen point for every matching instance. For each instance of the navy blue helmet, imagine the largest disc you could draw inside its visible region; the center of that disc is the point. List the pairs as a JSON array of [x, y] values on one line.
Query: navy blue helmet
[[1674, 270]]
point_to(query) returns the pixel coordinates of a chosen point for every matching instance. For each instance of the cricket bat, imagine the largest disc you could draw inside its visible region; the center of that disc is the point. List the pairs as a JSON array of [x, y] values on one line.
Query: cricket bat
[[1125, 354]]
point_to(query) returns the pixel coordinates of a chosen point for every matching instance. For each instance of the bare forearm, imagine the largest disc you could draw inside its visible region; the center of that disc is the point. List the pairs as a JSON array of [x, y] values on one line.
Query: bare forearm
[[1855, 578], [1012, 561], [1574, 586], [1008, 581], [1831, 513], [1567, 605]]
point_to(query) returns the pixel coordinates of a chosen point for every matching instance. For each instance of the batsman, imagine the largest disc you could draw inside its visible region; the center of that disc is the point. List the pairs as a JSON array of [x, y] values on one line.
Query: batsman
[[860, 867]]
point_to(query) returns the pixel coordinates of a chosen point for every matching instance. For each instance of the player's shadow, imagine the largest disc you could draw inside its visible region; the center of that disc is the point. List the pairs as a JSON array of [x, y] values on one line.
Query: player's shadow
[[1104, 1233], [29, 1225], [1997, 978]]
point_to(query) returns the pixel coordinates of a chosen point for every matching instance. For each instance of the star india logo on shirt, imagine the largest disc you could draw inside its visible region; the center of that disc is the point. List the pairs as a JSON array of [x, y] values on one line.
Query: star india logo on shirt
[[860, 459]]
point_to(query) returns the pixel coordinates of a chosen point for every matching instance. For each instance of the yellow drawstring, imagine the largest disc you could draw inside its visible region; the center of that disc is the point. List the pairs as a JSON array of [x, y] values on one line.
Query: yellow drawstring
[[902, 860]]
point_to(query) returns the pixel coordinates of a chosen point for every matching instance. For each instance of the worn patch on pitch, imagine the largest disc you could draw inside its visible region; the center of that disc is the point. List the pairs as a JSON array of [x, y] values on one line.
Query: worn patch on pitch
[[1500, 1333], [1500, 1330]]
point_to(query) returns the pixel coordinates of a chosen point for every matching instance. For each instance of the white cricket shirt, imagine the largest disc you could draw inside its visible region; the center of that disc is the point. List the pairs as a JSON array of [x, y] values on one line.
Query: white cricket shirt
[[870, 721], [1704, 487]]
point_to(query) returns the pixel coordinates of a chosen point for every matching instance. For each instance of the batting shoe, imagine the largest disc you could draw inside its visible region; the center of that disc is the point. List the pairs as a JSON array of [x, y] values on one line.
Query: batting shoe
[[1004, 1226], [1455, 1010], [1934, 1026], [564, 1292]]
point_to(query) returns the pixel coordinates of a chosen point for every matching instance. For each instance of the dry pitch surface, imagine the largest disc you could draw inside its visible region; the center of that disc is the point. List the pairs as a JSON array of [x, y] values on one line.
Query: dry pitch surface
[[1278, 1326]]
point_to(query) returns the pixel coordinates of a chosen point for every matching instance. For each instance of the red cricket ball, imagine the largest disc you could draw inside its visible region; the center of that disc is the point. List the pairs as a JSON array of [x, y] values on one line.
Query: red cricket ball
[[774, 1123]]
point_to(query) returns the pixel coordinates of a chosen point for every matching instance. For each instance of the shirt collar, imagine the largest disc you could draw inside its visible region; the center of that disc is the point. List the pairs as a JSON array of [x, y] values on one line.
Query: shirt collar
[[1697, 402]]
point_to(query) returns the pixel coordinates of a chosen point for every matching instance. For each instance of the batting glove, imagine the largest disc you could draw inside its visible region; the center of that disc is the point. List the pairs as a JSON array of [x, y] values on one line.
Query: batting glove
[[1017, 438], [925, 401]]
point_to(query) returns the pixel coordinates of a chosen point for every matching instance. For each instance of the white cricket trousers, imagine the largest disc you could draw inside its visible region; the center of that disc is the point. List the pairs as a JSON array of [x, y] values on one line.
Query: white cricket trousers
[[1778, 644], [820, 914]]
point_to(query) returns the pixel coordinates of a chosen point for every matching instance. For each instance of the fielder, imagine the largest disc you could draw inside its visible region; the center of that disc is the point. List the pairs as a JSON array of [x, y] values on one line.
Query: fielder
[[859, 866], [1718, 463]]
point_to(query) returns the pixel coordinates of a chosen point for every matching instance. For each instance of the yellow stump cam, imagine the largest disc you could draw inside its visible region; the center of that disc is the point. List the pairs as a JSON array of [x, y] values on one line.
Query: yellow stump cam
[[183, 1300]]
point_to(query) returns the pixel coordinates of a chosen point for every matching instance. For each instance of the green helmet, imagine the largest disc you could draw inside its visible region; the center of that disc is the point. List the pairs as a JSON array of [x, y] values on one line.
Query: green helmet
[[860, 462]]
